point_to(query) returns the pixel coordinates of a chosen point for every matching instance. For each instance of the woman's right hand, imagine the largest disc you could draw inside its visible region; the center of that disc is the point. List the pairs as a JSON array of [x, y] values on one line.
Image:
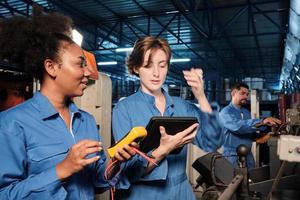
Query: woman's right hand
[[77, 158], [170, 142]]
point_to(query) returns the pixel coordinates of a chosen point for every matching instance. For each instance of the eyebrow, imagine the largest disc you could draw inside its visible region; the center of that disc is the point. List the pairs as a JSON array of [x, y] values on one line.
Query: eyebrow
[[163, 61]]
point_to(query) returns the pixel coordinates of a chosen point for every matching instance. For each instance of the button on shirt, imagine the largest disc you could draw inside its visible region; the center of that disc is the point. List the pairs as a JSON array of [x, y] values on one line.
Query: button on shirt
[[239, 128], [33, 140], [168, 180]]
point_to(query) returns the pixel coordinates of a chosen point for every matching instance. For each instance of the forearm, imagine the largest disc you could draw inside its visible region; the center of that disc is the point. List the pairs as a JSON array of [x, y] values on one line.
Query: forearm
[[203, 103], [242, 126], [41, 183]]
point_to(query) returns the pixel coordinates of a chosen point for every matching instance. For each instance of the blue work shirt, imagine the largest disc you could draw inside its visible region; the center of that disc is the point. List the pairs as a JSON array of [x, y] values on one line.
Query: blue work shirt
[[33, 140], [239, 128], [168, 180]]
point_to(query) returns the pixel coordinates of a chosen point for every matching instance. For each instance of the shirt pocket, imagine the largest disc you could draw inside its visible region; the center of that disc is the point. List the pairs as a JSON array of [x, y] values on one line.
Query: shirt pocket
[[46, 156]]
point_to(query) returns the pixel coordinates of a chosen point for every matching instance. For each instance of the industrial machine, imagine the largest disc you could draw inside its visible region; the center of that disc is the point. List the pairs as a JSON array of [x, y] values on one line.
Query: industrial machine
[[222, 181]]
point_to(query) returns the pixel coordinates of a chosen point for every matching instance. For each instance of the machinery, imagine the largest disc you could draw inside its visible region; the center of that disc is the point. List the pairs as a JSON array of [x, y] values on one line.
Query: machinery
[[222, 181]]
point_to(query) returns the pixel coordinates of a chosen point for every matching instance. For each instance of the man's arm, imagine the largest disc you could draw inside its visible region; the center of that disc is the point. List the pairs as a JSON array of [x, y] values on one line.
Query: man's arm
[[233, 123]]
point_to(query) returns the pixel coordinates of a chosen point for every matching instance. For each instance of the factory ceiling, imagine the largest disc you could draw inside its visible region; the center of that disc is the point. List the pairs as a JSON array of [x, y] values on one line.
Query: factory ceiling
[[228, 39]]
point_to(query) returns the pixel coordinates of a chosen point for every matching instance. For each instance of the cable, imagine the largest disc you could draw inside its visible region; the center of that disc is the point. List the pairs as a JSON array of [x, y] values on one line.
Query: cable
[[108, 169], [114, 163], [149, 159]]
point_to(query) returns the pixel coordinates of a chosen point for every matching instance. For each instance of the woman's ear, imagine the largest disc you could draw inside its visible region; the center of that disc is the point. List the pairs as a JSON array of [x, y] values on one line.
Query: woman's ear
[[50, 67], [135, 70]]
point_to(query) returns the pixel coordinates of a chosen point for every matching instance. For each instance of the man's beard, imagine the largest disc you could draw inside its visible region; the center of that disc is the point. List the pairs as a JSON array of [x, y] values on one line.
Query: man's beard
[[243, 102]]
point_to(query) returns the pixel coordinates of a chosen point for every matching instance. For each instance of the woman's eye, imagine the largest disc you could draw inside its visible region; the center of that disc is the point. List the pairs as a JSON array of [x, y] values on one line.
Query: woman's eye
[[163, 66], [82, 64], [147, 66]]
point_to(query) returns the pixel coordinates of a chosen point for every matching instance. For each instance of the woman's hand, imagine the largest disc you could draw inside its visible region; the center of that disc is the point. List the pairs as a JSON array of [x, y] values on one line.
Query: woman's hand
[[126, 152], [77, 158], [194, 78], [170, 142]]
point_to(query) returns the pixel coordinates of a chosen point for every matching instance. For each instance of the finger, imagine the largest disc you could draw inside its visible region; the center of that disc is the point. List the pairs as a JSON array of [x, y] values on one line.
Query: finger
[[123, 153], [189, 130], [190, 137], [129, 150], [91, 150], [199, 72], [192, 78], [88, 143], [278, 121], [135, 145], [162, 131], [189, 73], [90, 160], [193, 84], [118, 157]]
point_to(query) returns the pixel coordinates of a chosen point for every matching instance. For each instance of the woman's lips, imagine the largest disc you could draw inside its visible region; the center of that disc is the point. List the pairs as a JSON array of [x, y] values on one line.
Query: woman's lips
[[155, 81]]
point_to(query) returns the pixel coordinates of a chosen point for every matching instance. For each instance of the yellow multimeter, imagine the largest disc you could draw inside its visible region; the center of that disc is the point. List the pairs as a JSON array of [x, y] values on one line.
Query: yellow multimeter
[[134, 134]]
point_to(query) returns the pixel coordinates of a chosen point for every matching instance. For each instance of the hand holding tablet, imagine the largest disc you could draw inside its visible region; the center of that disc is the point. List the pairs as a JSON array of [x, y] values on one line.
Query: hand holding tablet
[[172, 125]]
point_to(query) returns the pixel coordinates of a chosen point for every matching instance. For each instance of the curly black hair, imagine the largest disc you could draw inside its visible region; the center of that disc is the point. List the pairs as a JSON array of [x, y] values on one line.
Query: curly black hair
[[26, 42]]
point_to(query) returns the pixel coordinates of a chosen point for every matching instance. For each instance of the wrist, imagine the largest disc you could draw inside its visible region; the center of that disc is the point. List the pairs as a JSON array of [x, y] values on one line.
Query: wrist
[[61, 172], [160, 152]]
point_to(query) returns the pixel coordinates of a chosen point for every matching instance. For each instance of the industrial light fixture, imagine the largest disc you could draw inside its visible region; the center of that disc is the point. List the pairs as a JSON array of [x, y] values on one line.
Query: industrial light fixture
[[173, 60], [124, 49], [107, 63], [77, 37]]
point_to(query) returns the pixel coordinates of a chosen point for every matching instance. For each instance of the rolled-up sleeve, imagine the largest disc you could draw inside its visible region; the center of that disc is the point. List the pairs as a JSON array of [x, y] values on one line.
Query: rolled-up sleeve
[[209, 134]]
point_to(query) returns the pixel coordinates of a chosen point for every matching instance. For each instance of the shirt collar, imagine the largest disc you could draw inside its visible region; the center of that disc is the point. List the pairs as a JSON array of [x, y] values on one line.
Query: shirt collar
[[45, 107], [151, 99], [235, 107]]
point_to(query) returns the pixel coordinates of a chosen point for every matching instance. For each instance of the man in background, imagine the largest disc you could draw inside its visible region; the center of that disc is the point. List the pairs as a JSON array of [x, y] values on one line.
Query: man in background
[[239, 128]]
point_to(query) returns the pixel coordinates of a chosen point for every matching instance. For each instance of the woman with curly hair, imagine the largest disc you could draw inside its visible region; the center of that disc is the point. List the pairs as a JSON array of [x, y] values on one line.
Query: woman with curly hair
[[50, 149]]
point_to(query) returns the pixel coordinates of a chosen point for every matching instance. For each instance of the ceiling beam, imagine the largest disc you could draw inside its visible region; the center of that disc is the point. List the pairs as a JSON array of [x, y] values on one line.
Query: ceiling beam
[[256, 38]]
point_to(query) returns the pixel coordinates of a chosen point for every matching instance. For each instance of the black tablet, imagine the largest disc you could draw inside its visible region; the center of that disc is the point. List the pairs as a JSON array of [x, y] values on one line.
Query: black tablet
[[172, 125]]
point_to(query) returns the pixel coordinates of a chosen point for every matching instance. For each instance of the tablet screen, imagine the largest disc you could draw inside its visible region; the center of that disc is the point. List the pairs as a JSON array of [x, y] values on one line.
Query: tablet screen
[[172, 125]]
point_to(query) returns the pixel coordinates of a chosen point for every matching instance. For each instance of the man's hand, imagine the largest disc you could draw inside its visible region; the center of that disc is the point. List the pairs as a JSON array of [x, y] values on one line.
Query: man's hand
[[271, 121]]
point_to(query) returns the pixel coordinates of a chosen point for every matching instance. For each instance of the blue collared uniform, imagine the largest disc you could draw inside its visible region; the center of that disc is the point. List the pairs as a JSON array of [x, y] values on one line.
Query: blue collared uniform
[[239, 128], [33, 140], [168, 180]]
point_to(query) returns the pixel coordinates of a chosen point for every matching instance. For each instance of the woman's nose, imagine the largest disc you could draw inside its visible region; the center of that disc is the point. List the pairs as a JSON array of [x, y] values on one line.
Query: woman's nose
[[156, 71]]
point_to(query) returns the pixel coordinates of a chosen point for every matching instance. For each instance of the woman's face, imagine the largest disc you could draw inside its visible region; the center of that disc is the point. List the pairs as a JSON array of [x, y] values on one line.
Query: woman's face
[[154, 71], [73, 76]]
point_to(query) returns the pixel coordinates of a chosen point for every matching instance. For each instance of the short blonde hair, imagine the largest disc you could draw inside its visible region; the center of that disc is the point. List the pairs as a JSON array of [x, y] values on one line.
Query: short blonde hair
[[141, 46]]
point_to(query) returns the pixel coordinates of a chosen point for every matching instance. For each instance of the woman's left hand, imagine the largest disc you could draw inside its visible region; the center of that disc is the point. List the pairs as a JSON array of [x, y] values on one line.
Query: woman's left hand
[[194, 78]]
